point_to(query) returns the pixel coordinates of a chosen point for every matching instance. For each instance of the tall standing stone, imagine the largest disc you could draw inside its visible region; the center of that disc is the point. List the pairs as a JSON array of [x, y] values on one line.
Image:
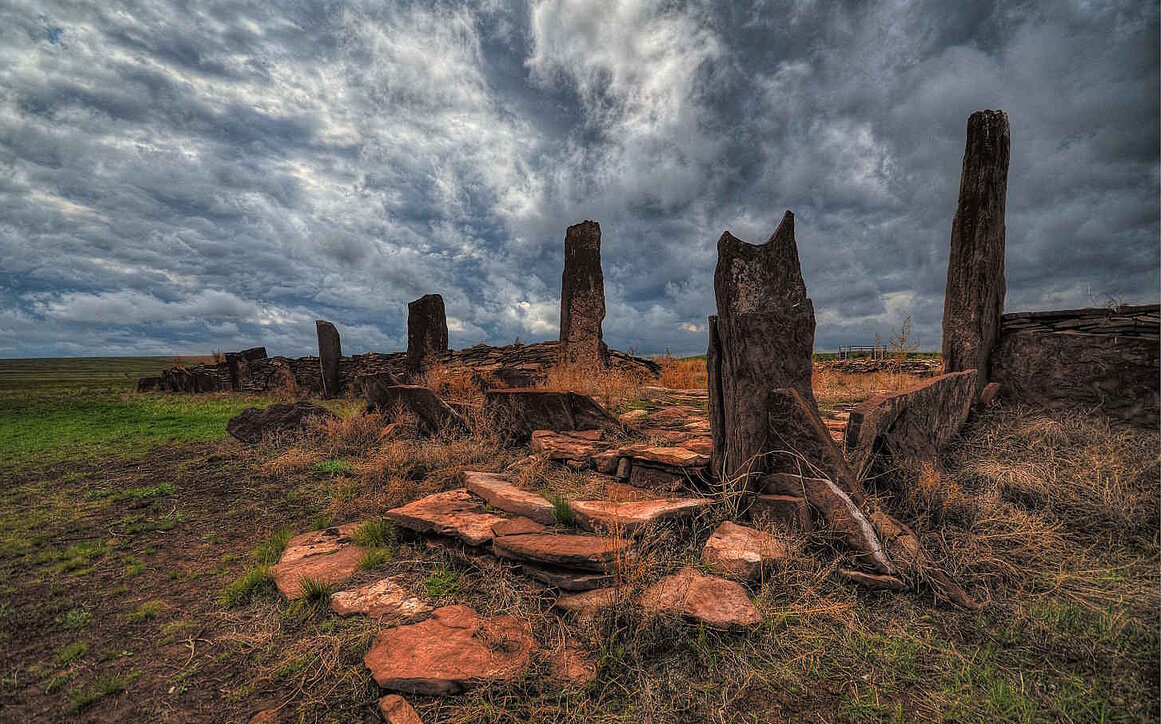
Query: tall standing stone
[[582, 295], [329, 353], [761, 340], [974, 299], [426, 330]]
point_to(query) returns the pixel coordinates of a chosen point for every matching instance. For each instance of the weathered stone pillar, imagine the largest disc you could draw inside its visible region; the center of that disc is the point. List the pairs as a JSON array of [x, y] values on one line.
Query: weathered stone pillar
[[974, 299], [329, 352], [582, 295], [426, 330], [761, 340]]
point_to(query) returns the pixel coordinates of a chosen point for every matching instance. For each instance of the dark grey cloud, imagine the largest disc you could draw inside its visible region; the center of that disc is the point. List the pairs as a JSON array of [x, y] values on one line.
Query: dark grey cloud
[[176, 180]]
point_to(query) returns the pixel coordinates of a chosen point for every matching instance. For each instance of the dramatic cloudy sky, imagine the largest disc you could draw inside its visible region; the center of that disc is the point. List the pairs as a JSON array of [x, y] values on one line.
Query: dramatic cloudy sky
[[177, 180]]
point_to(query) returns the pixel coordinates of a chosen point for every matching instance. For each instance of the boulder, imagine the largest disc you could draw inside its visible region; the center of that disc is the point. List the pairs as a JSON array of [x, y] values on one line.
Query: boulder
[[329, 354], [629, 517], [912, 426], [761, 339], [396, 710], [743, 553], [522, 412], [454, 513], [387, 598], [567, 550], [582, 295], [974, 297], [500, 493], [714, 601], [325, 557], [453, 650], [254, 423], [426, 331], [434, 415]]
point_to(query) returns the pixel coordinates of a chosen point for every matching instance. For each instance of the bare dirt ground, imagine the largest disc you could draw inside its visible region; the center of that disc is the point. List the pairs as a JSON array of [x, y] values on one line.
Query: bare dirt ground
[[114, 603]]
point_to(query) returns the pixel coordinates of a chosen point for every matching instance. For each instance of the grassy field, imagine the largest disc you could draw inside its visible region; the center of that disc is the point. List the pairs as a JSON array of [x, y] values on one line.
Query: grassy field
[[135, 540], [83, 373]]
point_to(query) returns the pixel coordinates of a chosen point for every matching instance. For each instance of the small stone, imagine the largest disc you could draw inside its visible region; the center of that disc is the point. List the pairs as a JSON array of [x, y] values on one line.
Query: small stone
[[328, 568], [633, 417], [572, 665], [502, 494], [742, 553], [989, 394], [714, 601], [670, 457], [521, 412], [567, 446], [396, 710], [586, 604], [624, 469], [450, 652], [383, 599]]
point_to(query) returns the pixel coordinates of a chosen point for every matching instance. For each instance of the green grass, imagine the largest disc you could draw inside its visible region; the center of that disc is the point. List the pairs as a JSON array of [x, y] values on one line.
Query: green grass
[[146, 611], [42, 429], [331, 467], [74, 619], [254, 583], [373, 533], [443, 581], [84, 373], [562, 512], [374, 557], [268, 552], [71, 652]]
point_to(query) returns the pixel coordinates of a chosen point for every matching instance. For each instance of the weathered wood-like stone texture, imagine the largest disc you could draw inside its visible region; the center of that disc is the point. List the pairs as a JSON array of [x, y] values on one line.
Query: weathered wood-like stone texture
[[713, 363], [974, 298], [426, 330], [765, 341], [329, 354], [1089, 359], [912, 426], [582, 295]]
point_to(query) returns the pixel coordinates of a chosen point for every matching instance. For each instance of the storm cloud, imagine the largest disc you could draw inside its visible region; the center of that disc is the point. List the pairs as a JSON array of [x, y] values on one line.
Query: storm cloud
[[176, 180]]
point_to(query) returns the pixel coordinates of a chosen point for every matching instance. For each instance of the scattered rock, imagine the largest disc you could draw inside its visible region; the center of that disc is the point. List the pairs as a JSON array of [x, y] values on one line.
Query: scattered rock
[[582, 295], [629, 517], [572, 665], [586, 552], [873, 581], [396, 710], [580, 446], [254, 422], [586, 604], [521, 412], [434, 415], [565, 579], [742, 553], [426, 330], [762, 339], [913, 426], [516, 526], [680, 459], [387, 598], [633, 417], [502, 494], [330, 351], [913, 560], [325, 557], [452, 513], [450, 652], [974, 298], [788, 512], [714, 601]]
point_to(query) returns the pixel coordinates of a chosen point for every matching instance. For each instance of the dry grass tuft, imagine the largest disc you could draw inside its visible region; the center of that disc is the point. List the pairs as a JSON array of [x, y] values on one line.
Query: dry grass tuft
[[832, 386], [683, 374], [609, 386], [455, 385]]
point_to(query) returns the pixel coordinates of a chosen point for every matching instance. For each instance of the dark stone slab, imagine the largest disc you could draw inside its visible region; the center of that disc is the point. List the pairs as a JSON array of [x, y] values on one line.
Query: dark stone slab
[[974, 298], [254, 423], [522, 412], [434, 415]]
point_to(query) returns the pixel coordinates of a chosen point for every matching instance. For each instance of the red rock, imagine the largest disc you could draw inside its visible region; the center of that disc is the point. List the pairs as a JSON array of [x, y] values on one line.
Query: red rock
[[567, 446], [742, 553], [265, 716], [572, 665], [586, 604], [451, 651], [671, 457], [709, 599], [586, 552], [615, 490], [702, 445], [396, 710], [516, 526], [323, 556], [873, 581], [629, 517], [452, 513], [606, 462], [989, 394], [387, 598], [501, 493], [789, 512], [632, 417]]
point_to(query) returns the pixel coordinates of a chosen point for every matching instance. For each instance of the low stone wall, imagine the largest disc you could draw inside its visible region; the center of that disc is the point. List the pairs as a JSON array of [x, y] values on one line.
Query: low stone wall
[[1086, 359], [511, 366]]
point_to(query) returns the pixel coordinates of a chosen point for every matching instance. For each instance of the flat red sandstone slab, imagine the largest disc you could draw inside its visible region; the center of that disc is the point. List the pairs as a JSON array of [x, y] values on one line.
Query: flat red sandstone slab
[[516, 526], [628, 517], [452, 513], [670, 457], [325, 568], [387, 598], [451, 651], [586, 552], [501, 493], [740, 552], [318, 542], [712, 600]]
